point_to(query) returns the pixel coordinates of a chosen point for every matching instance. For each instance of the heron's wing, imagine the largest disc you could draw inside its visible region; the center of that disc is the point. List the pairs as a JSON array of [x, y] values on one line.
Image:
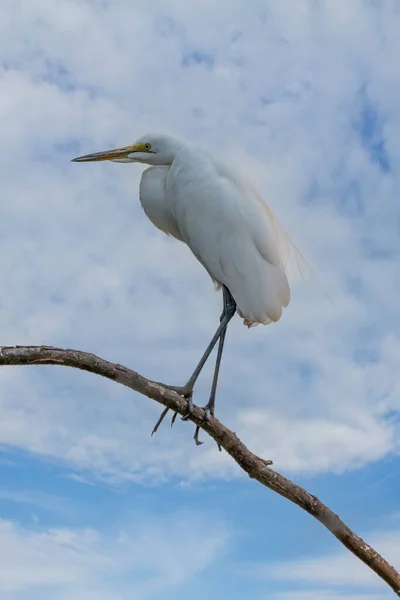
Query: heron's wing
[[232, 235], [293, 261]]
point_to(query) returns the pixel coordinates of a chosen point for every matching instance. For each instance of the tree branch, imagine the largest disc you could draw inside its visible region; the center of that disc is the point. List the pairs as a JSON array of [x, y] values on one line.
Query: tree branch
[[253, 465]]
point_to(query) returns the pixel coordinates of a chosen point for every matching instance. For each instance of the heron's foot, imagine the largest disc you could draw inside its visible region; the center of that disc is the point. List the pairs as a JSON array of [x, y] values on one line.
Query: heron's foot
[[160, 420], [185, 392], [196, 436], [208, 413], [189, 408]]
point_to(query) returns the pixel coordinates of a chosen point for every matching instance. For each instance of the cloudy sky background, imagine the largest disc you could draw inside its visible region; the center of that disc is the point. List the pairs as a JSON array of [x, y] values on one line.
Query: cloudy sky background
[[304, 97]]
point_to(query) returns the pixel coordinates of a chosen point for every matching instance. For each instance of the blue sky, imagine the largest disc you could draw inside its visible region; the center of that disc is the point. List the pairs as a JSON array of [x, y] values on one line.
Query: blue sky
[[304, 98]]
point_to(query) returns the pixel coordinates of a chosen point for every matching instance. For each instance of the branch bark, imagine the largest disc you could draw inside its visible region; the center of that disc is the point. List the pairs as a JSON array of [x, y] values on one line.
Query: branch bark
[[256, 467]]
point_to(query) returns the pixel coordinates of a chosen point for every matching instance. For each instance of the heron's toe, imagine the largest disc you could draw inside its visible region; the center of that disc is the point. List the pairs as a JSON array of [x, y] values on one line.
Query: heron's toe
[[189, 408], [183, 391]]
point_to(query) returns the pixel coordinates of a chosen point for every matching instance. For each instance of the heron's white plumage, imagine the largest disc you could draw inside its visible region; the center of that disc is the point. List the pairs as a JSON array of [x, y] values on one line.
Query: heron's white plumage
[[227, 226], [197, 199], [236, 237], [152, 194]]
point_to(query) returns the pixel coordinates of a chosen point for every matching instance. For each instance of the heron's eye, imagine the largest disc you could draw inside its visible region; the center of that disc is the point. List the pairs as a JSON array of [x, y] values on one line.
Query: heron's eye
[[147, 146]]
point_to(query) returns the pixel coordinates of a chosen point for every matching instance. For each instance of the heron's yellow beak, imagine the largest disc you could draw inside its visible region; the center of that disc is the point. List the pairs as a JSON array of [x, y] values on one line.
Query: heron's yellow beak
[[118, 153]]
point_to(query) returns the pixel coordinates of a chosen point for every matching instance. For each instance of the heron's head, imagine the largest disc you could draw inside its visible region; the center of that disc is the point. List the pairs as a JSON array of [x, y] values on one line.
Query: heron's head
[[149, 149]]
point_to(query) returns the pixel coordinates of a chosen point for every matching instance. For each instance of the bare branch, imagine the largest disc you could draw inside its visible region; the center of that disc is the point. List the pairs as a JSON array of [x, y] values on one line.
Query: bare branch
[[256, 467]]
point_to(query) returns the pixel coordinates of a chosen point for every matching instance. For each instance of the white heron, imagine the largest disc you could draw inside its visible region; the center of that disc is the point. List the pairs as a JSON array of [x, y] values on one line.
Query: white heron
[[197, 199]]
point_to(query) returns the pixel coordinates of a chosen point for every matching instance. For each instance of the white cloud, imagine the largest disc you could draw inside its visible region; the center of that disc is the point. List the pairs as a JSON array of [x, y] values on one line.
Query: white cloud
[[322, 444], [338, 570], [141, 559], [48, 502], [308, 91]]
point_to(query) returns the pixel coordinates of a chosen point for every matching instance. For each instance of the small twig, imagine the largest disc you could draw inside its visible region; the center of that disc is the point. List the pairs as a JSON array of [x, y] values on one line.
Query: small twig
[[256, 467]]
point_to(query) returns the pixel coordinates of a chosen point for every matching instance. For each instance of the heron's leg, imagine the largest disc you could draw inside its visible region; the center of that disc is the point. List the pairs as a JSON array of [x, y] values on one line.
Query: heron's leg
[[228, 311], [209, 407], [229, 306]]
